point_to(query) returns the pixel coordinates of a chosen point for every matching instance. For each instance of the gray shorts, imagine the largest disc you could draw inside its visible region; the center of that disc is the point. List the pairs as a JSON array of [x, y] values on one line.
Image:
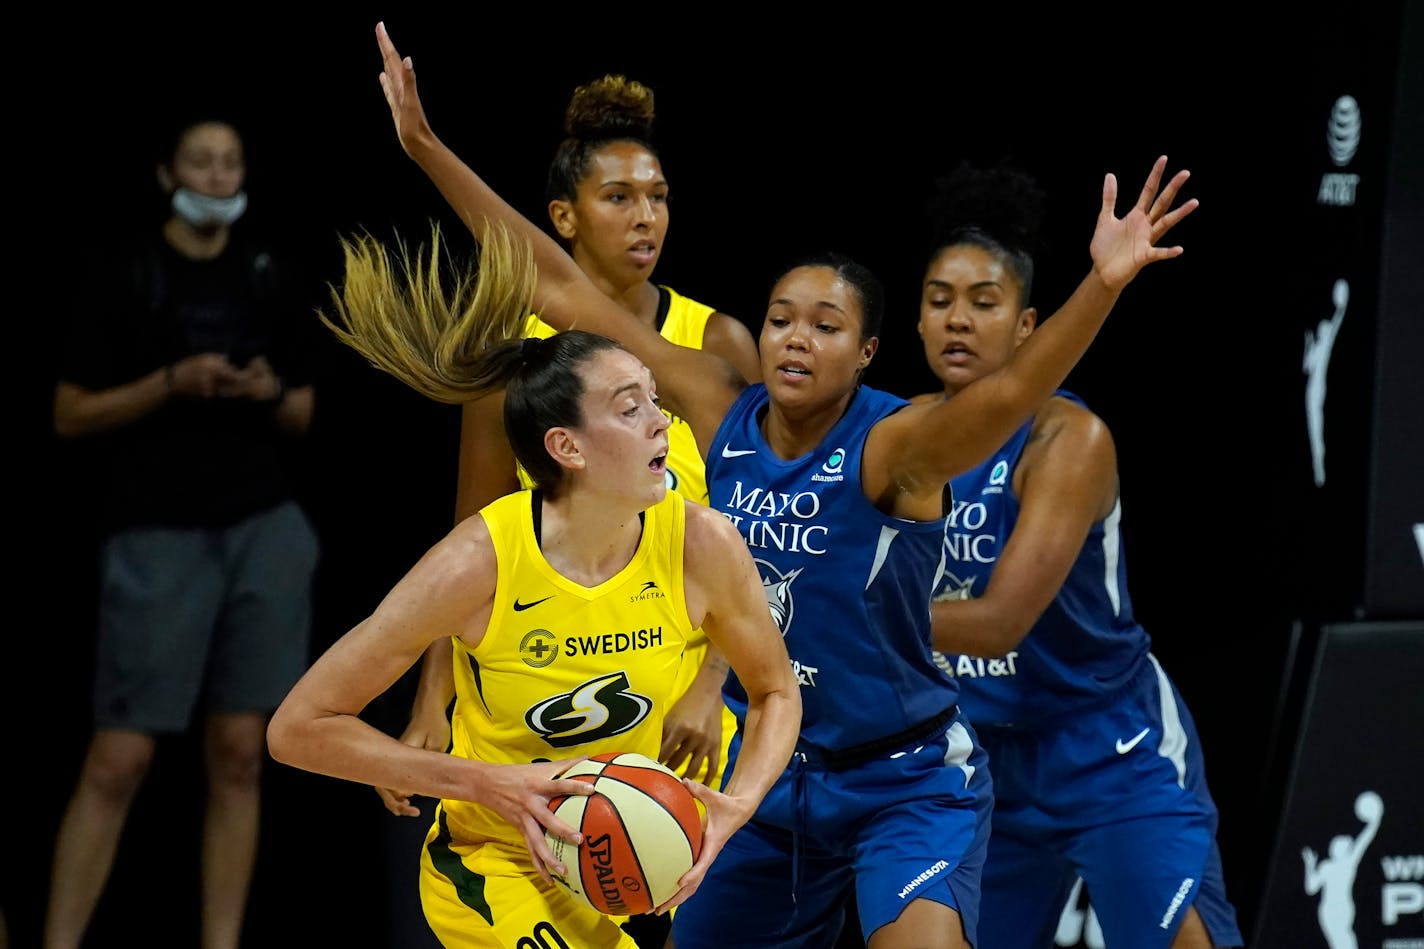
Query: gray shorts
[[193, 615]]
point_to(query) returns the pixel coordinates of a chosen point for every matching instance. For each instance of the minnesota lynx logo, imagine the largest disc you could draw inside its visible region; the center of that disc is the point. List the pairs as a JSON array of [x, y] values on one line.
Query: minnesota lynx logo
[[778, 593]]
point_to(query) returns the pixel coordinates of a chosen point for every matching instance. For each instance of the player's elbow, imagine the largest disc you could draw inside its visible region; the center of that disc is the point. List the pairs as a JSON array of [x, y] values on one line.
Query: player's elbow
[[282, 736]]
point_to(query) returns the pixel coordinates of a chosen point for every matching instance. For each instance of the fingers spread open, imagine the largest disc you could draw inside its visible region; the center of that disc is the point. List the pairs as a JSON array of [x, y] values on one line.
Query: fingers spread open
[[1109, 208], [1149, 188]]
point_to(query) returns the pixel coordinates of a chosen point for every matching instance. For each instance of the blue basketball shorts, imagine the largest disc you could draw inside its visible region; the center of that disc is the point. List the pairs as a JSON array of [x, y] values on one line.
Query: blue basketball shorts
[[1118, 796], [910, 824]]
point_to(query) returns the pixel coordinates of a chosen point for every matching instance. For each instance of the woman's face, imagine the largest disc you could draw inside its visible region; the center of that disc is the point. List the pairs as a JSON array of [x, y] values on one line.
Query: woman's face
[[621, 445], [811, 351], [209, 160], [618, 222], [972, 317]]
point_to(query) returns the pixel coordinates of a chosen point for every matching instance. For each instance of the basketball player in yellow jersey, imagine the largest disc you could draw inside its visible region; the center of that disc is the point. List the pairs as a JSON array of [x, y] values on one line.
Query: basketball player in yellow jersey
[[568, 607], [574, 668], [608, 202]]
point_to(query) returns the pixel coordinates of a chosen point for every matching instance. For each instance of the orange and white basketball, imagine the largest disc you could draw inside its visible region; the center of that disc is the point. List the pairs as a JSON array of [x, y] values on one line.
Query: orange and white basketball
[[642, 830]]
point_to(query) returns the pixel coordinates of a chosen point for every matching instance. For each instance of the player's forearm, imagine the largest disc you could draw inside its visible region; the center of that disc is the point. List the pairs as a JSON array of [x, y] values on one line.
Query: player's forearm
[[480, 207], [977, 627], [1043, 362], [772, 724], [343, 746], [713, 672]]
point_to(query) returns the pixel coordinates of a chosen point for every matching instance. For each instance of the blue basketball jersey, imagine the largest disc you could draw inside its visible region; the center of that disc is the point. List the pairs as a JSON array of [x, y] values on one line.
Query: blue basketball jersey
[[849, 586], [1085, 647]]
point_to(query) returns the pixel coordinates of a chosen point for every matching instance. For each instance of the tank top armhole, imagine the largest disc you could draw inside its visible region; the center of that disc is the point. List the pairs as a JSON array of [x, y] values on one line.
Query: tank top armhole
[[664, 307], [677, 555]]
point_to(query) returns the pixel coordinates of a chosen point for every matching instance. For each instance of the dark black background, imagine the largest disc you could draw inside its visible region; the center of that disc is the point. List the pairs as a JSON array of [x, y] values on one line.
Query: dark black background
[[777, 135]]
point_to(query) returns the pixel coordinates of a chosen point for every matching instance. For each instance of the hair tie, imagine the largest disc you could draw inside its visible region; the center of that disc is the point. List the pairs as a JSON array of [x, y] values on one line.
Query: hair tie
[[530, 347]]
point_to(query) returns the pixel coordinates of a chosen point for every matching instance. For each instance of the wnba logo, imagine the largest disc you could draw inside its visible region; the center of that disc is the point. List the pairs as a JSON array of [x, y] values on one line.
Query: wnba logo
[[1332, 878]]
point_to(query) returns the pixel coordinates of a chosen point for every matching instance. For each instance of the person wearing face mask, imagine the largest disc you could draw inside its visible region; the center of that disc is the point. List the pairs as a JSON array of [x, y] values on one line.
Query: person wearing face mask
[[186, 372]]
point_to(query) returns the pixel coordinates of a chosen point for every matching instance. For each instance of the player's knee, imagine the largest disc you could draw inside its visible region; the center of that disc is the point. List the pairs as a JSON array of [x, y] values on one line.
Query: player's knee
[[114, 769], [235, 751]]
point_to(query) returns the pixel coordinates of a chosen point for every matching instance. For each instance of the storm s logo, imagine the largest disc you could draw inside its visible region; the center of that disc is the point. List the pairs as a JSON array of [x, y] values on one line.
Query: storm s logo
[[600, 708]]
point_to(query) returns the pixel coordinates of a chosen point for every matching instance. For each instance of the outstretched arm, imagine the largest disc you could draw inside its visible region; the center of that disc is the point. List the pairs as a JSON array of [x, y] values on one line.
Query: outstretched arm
[[697, 385], [729, 338], [913, 452]]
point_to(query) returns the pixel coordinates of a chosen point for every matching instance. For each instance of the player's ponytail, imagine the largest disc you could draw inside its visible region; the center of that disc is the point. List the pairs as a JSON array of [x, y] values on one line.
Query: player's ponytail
[[434, 327], [454, 335]]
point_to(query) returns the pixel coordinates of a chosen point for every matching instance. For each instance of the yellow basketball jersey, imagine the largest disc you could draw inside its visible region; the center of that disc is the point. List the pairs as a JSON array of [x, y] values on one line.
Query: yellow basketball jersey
[[563, 669], [685, 323]]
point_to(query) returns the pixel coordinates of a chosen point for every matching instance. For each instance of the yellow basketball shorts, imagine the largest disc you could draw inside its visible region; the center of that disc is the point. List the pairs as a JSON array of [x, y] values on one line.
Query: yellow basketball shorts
[[489, 896]]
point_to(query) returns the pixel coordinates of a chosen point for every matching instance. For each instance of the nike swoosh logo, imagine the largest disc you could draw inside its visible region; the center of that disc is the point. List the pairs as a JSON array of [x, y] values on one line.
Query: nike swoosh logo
[[736, 452], [524, 606], [1123, 747]]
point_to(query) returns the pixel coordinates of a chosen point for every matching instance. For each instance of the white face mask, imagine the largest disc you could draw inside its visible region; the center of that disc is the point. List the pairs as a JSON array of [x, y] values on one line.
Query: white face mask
[[199, 210]]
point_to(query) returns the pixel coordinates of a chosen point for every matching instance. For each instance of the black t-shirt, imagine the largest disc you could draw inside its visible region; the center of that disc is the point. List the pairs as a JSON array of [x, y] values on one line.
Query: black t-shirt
[[192, 462]]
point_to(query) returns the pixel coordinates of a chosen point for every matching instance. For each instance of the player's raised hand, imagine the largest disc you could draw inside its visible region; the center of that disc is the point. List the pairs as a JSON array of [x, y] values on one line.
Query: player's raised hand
[[398, 83], [1121, 247]]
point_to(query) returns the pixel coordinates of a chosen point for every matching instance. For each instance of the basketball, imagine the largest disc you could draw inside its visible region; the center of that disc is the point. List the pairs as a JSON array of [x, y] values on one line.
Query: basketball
[[642, 830]]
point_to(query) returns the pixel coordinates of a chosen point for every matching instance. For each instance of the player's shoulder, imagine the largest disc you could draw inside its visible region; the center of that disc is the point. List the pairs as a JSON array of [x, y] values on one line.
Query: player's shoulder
[[471, 537], [1064, 417], [1067, 434], [461, 567], [708, 531]]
